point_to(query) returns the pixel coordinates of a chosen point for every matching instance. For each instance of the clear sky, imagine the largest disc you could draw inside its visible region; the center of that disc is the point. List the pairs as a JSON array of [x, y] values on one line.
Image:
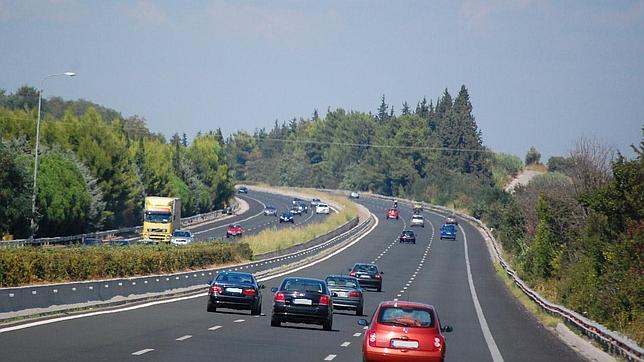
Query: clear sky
[[539, 73]]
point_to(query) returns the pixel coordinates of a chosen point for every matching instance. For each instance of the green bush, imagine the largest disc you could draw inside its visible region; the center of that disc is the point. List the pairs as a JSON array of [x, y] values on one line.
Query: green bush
[[20, 266]]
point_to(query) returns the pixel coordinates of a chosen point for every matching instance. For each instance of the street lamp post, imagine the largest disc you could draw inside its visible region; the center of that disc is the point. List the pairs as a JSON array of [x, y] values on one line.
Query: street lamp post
[[33, 194]]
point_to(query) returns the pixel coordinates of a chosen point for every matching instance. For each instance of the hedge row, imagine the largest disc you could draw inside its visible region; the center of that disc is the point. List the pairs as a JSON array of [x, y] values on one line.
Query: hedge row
[[21, 266]]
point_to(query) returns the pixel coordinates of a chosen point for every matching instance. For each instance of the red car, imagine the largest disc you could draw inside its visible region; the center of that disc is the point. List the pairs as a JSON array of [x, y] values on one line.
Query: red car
[[234, 230], [404, 331], [393, 213]]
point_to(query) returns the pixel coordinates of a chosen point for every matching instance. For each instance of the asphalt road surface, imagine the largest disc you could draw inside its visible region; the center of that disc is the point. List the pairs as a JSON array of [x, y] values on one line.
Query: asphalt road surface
[[432, 271]]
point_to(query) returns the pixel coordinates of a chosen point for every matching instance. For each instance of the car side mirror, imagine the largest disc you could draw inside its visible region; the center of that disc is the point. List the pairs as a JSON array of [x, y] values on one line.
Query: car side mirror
[[273, 290], [381, 273], [261, 286], [447, 329], [363, 322]]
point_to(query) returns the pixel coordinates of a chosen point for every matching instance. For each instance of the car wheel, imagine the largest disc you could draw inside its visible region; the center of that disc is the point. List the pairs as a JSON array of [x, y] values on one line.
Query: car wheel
[[360, 310], [227, 236], [256, 310], [212, 308], [275, 323], [328, 325]]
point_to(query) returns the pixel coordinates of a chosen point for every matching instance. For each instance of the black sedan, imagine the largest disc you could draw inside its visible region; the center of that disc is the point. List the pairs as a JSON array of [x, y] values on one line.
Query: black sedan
[[287, 217], [302, 300], [368, 275], [407, 236], [348, 294], [236, 291]]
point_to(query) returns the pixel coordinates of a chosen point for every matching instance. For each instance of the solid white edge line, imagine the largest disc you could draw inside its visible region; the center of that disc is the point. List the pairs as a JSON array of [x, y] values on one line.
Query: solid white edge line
[[494, 350], [200, 295], [239, 221]]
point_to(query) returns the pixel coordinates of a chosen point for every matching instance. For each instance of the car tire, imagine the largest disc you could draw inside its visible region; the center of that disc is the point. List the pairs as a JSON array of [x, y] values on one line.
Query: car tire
[[360, 310], [227, 236], [256, 310], [275, 323], [328, 325], [212, 308]]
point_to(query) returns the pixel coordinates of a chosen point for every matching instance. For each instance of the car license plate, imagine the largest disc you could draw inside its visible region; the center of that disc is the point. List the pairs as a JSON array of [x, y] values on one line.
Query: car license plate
[[342, 294], [399, 343], [234, 290], [364, 276], [302, 301]]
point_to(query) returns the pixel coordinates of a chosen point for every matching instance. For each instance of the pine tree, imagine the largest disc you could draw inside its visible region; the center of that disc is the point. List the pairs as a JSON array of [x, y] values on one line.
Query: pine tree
[[184, 140], [405, 109], [382, 110]]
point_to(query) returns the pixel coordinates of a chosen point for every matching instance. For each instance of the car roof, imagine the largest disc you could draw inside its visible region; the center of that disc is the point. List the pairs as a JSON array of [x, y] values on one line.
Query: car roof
[[236, 273], [405, 304], [304, 279], [340, 276], [365, 264]]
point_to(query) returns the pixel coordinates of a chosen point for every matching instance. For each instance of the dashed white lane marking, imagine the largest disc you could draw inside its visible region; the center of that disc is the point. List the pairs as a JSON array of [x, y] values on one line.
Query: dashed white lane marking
[[238, 320], [357, 334], [345, 344], [183, 338], [494, 350], [329, 357], [214, 328], [143, 351]]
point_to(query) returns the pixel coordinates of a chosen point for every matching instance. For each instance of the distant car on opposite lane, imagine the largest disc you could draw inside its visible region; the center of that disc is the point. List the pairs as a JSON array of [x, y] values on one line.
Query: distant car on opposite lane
[[270, 211], [407, 236], [404, 331], [393, 213], [181, 237], [368, 275], [234, 230], [354, 195], [302, 300], [242, 190], [287, 217], [235, 290], [348, 294], [451, 220], [322, 208], [315, 202], [448, 231]]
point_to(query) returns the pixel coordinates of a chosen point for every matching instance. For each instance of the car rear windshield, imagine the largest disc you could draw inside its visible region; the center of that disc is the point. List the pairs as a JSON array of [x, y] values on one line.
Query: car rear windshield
[[323, 205], [407, 317], [408, 233], [303, 286], [365, 268], [341, 282], [449, 227], [181, 234], [417, 217], [235, 278]]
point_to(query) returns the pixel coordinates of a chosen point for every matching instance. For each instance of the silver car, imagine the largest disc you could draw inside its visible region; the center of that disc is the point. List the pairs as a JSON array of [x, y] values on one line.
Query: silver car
[[346, 292], [270, 211], [417, 220], [181, 237]]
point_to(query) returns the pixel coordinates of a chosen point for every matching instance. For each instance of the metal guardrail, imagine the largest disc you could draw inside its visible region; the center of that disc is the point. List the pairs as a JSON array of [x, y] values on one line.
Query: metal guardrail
[[111, 234], [612, 341]]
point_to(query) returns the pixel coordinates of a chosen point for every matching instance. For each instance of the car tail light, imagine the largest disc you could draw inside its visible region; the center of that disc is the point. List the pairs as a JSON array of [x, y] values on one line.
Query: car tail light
[[371, 335], [279, 297], [250, 292], [353, 274], [216, 289], [355, 294], [438, 343], [324, 300], [377, 276]]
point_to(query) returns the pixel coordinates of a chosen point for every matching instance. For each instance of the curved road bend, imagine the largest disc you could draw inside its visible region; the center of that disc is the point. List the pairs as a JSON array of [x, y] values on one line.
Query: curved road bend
[[432, 271]]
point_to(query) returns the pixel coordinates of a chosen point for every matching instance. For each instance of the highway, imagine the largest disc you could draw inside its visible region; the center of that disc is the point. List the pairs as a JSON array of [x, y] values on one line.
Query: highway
[[489, 324]]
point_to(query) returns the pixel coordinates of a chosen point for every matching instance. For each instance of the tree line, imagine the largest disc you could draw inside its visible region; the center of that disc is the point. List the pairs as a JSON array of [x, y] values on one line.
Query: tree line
[[96, 167]]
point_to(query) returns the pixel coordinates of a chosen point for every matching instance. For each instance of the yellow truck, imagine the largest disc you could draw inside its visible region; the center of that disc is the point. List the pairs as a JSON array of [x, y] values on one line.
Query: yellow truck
[[161, 217]]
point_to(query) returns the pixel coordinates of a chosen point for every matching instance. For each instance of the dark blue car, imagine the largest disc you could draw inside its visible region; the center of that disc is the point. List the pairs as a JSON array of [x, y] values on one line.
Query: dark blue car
[[448, 231]]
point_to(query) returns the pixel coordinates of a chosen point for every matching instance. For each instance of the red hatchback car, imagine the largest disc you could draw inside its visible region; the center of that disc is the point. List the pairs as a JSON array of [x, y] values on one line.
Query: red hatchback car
[[404, 331], [234, 230], [393, 213]]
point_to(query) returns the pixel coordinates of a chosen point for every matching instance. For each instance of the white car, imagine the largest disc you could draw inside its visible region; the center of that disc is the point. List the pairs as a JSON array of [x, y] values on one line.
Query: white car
[[354, 195], [181, 237], [322, 208], [417, 220]]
